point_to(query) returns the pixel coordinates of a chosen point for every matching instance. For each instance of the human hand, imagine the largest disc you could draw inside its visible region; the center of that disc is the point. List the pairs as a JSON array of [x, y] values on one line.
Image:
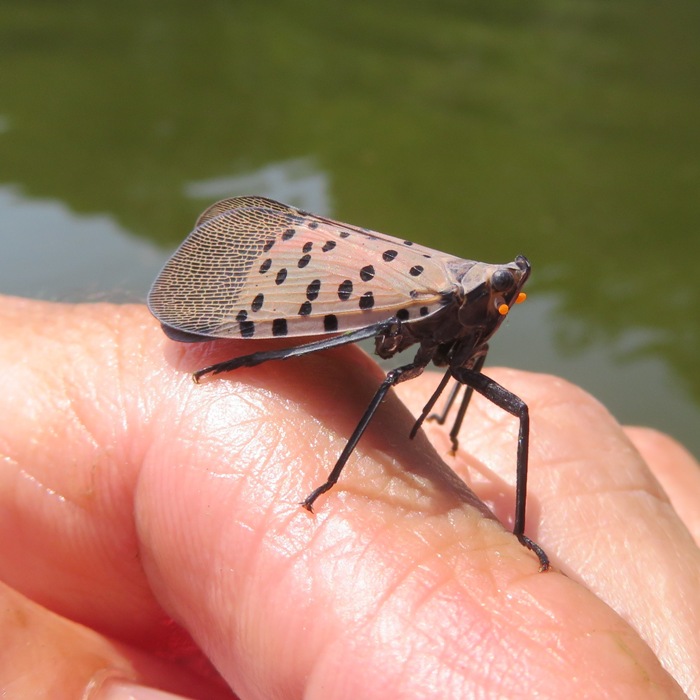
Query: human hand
[[138, 507]]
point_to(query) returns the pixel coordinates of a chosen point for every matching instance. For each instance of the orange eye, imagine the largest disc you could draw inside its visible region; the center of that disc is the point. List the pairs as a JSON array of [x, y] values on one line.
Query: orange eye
[[521, 298], [503, 309]]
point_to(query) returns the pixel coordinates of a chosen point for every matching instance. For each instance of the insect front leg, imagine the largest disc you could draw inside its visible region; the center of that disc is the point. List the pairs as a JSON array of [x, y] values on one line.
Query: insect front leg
[[400, 374], [514, 405], [257, 358]]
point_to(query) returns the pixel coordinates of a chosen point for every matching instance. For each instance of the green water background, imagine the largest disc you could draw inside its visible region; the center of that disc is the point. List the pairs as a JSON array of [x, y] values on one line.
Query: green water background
[[565, 130]]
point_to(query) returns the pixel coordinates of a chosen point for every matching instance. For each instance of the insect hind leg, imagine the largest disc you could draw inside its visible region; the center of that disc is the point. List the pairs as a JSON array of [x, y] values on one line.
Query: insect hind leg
[[514, 405]]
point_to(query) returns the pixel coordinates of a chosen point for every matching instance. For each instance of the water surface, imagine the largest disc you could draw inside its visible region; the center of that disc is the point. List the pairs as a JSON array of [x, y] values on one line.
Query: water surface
[[564, 130]]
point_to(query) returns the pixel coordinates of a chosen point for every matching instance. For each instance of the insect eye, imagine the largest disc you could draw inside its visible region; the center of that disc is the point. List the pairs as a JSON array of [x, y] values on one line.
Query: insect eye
[[502, 280]]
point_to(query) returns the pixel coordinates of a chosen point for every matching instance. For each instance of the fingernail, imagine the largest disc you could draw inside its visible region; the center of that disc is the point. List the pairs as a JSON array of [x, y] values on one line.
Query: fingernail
[[124, 690]]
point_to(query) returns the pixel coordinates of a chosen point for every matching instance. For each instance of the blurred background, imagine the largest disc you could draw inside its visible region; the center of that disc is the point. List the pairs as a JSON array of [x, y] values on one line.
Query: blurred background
[[567, 130]]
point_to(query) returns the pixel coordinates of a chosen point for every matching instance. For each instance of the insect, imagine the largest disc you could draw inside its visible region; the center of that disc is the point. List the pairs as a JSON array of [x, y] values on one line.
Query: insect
[[255, 268]]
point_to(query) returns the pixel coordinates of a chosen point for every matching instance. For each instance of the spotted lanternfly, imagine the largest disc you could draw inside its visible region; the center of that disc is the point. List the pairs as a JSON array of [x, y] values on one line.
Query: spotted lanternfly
[[256, 268]]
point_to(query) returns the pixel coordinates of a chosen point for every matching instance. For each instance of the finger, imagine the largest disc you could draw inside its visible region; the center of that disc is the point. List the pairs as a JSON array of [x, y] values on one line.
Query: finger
[[68, 469], [396, 581], [45, 655], [67, 477], [676, 469], [597, 510]]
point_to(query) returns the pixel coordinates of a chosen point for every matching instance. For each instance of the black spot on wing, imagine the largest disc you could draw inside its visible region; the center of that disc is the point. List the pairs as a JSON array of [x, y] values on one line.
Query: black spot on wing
[[258, 302], [279, 327], [313, 289], [367, 301], [344, 290], [367, 273]]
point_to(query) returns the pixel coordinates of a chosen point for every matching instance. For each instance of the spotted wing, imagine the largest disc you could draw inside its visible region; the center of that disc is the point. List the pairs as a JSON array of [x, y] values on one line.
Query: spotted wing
[[254, 267]]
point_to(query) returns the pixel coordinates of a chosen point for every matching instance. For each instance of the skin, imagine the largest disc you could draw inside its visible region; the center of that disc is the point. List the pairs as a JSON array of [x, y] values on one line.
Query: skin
[[152, 534]]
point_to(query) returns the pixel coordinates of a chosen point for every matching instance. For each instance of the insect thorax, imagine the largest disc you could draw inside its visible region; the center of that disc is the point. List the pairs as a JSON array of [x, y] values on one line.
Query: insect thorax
[[472, 312], [436, 336]]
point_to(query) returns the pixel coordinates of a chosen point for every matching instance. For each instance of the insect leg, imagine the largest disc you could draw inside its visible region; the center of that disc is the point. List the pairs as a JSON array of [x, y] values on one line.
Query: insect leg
[[431, 402], [257, 358], [514, 405], [393, 377], [441, 417], [454, 432]]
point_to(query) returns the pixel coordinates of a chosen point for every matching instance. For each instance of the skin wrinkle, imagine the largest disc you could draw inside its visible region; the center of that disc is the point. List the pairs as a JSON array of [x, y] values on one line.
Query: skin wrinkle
[[84, 403], [321, 627], [198, 412], [206, 412], [209, 420], [431, 592], [384, 628], [593, 526], [270, 437], [34, 467], [547, 645], [270, 457], [403, 578], [272, 538], [559, 470], [574, 500], [480, 633], [436, 487], [411, 574]]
